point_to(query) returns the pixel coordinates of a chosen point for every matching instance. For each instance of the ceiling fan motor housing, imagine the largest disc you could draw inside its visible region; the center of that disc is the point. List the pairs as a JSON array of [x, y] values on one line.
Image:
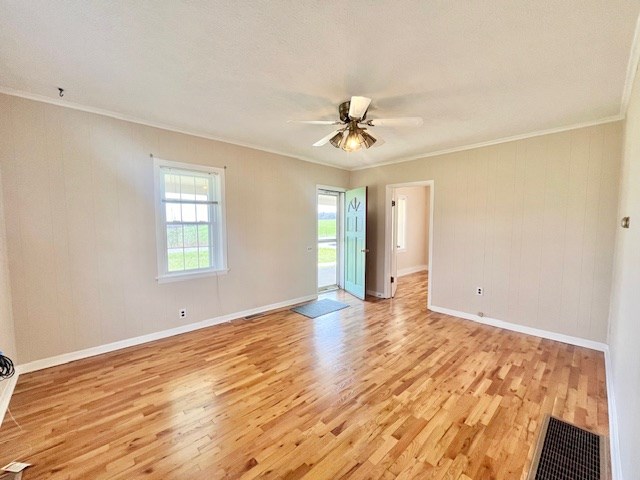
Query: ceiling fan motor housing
[[343, 110]]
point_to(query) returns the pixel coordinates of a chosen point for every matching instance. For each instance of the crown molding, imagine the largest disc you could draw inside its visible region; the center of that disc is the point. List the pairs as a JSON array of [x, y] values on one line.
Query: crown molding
[[538, 133], [170, 128], [130, 118], [632, 68]]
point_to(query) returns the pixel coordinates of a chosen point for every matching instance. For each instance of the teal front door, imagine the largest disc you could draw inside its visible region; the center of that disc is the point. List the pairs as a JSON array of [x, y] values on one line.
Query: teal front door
[[355, 241]]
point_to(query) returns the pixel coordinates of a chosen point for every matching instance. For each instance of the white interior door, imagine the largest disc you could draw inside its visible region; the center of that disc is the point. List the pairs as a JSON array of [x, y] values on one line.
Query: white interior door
[[355, 242]]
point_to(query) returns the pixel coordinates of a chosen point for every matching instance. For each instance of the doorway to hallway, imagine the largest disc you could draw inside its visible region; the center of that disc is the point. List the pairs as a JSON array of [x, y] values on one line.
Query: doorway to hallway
[[408, 233]]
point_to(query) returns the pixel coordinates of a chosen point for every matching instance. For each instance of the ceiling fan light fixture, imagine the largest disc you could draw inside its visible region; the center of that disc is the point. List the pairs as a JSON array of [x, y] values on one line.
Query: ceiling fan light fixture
[[367, 140], [336, 139], [352, 141]]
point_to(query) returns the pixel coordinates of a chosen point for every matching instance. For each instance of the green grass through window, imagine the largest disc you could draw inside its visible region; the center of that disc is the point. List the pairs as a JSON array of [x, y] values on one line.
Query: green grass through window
[[326, 228], [189, 260], [326, 255]]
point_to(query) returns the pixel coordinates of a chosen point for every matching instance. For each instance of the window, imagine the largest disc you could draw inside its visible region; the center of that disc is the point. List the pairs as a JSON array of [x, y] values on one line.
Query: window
[[190, 220], [402, 223]]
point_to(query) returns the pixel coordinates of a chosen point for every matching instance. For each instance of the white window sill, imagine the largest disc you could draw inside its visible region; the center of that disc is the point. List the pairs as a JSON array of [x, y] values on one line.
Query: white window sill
[[178, 277]]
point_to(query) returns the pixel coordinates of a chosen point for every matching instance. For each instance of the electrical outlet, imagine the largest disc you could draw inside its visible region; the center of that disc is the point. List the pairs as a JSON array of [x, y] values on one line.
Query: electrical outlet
[[182, 313], [479, 291]]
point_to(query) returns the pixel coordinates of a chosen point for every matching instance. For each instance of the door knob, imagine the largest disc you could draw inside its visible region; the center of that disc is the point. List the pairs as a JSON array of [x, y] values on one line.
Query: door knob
[[365, 250]]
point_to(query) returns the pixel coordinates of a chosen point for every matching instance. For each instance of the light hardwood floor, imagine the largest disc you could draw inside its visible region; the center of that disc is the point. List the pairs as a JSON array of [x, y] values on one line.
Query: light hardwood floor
[[383, 389]]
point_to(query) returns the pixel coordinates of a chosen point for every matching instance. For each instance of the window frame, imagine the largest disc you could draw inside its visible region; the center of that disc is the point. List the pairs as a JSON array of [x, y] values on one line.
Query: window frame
[[162, 256], [402, 223]]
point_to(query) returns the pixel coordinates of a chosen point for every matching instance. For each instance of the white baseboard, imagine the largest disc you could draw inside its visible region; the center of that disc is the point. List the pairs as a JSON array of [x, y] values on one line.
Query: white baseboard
[[130, 342], [5, 395], [409, 270], [614, 442], [558, 337]]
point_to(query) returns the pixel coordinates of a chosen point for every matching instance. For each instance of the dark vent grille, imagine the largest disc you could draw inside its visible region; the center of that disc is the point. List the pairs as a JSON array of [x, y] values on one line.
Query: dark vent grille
[[569, 453]]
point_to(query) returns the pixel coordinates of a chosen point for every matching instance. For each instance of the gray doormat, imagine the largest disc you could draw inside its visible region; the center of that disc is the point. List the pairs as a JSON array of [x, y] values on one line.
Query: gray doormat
[[567, 452], [319, 307]]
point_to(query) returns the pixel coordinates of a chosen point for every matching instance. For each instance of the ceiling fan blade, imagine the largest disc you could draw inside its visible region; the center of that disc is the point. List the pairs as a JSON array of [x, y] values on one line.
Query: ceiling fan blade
[[358, 107], [396, 122], [324, 140], [316, 122]]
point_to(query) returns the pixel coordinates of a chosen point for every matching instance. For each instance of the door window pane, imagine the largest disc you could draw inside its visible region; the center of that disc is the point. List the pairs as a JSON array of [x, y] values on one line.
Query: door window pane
[[327, 240], [327, 216]]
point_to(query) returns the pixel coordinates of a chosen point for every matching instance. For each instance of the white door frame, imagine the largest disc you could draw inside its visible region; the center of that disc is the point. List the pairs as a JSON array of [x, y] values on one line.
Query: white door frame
[[339, 232], [388, 233]]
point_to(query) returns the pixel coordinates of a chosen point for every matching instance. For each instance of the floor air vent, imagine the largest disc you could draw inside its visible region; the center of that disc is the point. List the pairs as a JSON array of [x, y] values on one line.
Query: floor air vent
[[566, 452]]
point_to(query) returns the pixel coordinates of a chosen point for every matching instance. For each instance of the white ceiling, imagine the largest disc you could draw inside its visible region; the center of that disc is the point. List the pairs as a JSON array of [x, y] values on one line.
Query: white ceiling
[[238, 70]]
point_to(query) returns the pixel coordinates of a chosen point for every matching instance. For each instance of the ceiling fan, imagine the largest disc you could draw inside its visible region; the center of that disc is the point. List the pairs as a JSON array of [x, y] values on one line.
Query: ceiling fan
[[353, 134]]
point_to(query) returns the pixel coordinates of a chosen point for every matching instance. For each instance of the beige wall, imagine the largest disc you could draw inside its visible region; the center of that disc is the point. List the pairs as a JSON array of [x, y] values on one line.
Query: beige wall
[[625, 309], [7, 337], [78, 191], [415, 255], [532, 221]]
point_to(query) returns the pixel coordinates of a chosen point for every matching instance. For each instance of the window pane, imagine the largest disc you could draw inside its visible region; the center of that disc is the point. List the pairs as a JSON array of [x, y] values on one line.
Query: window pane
[[203, 235], [174, 236], [190, 258], [187, 187], [175, 259], [171, 186], [188, 212], [190, 235], [202, 189], [204, 257], [202, 212], [187, 218], [327, 216], [173, 212]]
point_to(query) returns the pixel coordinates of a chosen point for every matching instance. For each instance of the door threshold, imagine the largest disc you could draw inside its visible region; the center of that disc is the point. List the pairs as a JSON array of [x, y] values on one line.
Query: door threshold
[[331, 288]]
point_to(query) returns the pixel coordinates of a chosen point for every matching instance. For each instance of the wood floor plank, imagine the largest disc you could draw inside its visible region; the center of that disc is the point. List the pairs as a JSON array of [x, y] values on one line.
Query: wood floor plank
[[381, 390]]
